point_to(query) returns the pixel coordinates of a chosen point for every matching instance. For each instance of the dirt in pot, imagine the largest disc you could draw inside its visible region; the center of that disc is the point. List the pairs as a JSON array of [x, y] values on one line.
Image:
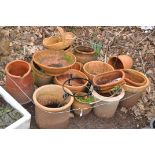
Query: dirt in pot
[[85, 49], [50, 102], [8, 115], [116, 63]]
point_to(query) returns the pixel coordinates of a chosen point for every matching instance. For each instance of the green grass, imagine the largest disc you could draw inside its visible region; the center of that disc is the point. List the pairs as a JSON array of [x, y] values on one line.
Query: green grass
[[86, 99], [68, 58], [96, 47]]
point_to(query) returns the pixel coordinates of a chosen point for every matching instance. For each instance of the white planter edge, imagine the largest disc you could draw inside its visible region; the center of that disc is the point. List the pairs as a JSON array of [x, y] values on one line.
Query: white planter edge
[[24, 121]]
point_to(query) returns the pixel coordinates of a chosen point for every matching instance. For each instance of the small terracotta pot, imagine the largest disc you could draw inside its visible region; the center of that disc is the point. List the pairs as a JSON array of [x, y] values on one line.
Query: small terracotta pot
[[40, 78], [47, 100], [133, 94], [93, 68], [134, 77], [54, 63], [106, 106], [19, 80], [75, 85], [106, 81], [84, 54], [79, 107], [121, 62], [77, 66]]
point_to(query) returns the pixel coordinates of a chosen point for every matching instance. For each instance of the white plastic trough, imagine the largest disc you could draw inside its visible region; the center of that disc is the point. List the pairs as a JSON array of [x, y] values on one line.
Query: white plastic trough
[[24, 121]]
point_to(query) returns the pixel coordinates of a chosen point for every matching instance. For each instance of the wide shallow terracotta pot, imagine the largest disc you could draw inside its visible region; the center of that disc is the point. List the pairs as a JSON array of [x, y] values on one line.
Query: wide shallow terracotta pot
[[121, 62], [84, 54], [54, 63], [40, 78], [133, 94], [76, 85], [106, 106], [134, 77], [77, 66], [81, 107], [62, 42], [93, 68], [19, 80], [106, 81], [52, 110]]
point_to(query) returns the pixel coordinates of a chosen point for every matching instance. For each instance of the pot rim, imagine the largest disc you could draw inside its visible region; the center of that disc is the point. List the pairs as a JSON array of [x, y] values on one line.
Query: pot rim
[[115, 98], [98, 61], [86, 53], [74, 70], [139, 74], [14, 76], [105, 85], [55, 68], [52, 109]]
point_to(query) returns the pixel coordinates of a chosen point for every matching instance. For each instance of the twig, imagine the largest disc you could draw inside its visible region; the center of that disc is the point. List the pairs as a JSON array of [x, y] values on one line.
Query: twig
[[143, 66]]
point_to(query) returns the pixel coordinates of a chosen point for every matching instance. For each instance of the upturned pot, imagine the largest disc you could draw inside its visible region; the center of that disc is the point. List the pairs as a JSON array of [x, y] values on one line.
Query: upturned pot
[[51, 108], [84, 54], [54, 63], [77, 66], [40, 78], [133, 94], [19, 80], [121, 62], [106, 106], [93, 68], [81, 108], [106, 81], [134, 77], [76, 85]]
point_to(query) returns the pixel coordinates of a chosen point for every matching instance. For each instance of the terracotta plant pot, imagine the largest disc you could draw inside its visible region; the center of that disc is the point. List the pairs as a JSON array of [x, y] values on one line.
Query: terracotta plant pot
[[133, 94], [19, 80], [121, 62], [54, 63], [134, 77], [76, 85], [79, 106], [106, 81], [84, 54], [106, 106], [51, 109], [62, 42], [77, 66], [93, 68], [40, 78]]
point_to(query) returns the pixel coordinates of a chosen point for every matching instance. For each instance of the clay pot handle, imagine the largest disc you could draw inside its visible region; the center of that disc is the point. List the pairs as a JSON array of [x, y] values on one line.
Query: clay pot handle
[[62, 33]]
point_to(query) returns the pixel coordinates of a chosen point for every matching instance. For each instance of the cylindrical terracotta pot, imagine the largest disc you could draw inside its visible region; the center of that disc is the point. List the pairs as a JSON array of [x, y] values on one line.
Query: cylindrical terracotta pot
[[84, 54], [40, 78], [133, 94], [79, 106], [134, 77], [106, 106], [19, 80], [52, 110], [54, 63], [106, 81], [93, 68], [121, 62], [77, 66], [76, 85]]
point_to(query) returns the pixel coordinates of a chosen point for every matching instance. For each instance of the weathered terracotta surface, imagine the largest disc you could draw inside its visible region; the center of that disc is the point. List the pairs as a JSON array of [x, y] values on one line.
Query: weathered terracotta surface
[[47, 117], [84, 54], [106, 81], [93, 68], [134, 77], [54, 62], [121, 62], [77, 66], [19, 80], [76, 85]]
